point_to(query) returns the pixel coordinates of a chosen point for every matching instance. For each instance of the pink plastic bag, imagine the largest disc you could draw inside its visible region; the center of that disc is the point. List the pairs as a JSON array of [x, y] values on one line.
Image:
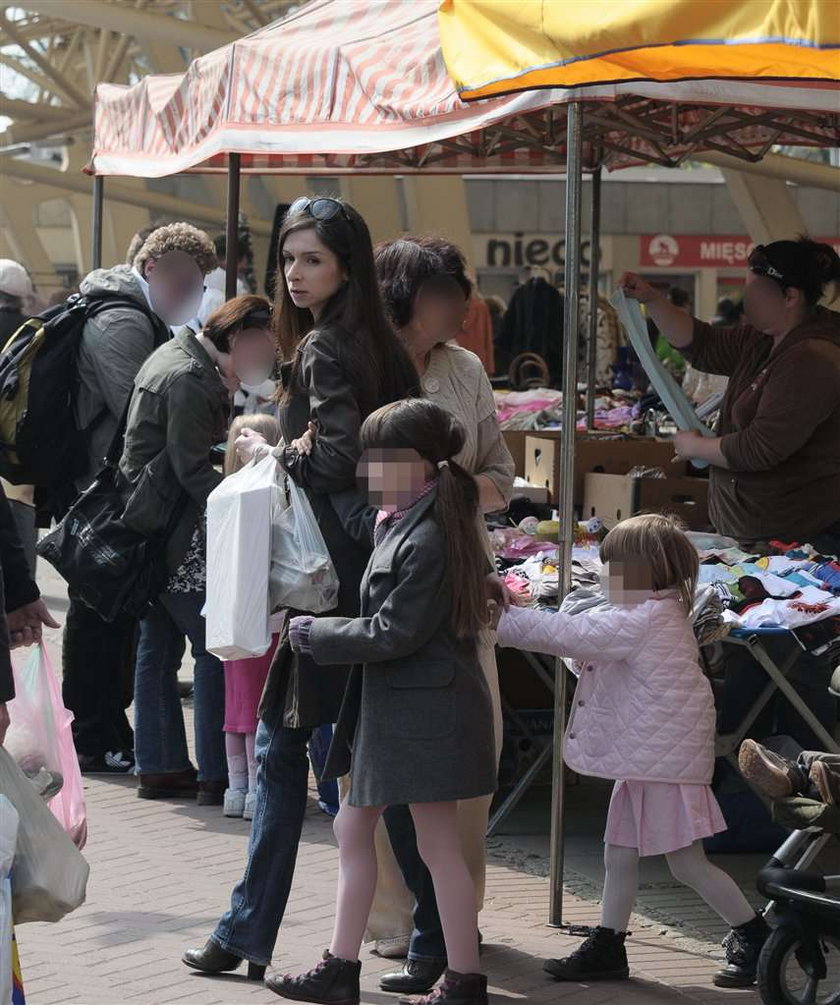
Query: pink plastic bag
[[41, 741]]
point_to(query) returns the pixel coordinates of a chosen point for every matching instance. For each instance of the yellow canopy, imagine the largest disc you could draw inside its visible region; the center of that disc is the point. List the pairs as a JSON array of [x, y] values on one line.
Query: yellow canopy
[[494, 47]]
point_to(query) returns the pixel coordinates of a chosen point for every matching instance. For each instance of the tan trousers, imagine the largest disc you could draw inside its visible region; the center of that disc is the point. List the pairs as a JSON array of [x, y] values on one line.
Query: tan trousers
[[393, 905]]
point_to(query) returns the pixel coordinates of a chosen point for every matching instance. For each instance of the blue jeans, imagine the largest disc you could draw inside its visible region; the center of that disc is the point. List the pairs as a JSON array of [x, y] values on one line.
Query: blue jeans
[[427, 941], [319, 745], [160, 740], [249, 929]]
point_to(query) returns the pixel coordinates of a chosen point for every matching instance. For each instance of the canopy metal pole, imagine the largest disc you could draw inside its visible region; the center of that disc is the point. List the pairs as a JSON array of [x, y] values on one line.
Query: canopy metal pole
[[594, 272], [565, 502], [96, 237], [232, 227]]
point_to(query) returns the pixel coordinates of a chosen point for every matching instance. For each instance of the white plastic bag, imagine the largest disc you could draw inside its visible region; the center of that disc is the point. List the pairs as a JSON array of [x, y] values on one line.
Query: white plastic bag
[[238, 561], [302, 573], [40, 738], [49, 873], [8, 840]]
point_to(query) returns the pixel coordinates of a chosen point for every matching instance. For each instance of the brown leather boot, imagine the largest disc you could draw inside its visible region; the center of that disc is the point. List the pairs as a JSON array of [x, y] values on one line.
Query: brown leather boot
[[212, 793], [331, 982], [455, 989], [769, 772], [826, 778], [171, 785]]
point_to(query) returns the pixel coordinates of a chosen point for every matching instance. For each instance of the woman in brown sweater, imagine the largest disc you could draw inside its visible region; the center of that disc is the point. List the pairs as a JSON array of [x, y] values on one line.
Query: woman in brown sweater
[[775, 465]]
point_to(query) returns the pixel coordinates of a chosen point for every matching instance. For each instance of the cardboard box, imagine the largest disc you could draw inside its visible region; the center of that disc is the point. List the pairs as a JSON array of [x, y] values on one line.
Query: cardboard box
[[541, 459], [515, 441], [536, 493], [542, 464], [616, 497]]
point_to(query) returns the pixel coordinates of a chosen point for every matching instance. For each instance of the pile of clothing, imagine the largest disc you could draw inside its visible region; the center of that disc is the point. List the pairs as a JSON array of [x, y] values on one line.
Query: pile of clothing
[[542, 408], [794, 589], [790, 589]]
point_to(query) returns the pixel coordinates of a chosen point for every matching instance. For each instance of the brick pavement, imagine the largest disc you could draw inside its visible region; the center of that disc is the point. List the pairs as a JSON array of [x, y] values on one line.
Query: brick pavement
[[161, 873]]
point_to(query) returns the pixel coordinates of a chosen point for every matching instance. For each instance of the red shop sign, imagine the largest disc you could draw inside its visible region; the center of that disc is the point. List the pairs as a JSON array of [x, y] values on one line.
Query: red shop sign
[[695, 251]]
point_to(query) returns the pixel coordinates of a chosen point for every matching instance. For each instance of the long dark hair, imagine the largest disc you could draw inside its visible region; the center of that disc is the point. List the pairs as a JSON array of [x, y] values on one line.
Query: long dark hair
[[437, 436], [377, 363]]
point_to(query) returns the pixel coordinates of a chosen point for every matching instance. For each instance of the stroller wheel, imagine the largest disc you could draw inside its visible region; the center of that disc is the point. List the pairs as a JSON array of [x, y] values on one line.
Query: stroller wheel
[[789, 974]]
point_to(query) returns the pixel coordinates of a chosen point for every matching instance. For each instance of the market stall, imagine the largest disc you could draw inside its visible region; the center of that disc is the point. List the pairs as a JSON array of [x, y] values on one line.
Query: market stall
[[336, 88]]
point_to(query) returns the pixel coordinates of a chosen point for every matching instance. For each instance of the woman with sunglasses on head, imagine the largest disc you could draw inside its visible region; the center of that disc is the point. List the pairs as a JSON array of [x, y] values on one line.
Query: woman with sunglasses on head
[[341, 361], [775, 463]]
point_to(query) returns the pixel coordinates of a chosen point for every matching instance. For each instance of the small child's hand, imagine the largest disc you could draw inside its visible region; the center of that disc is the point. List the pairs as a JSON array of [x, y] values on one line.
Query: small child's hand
[[496, 590]]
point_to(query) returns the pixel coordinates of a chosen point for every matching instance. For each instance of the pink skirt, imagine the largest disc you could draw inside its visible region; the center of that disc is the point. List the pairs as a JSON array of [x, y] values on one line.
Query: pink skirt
[[244, 684], [660, 817]]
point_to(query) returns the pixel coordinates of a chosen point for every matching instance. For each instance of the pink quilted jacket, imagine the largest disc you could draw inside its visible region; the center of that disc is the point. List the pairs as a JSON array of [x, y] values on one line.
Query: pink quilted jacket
[[643, 709]]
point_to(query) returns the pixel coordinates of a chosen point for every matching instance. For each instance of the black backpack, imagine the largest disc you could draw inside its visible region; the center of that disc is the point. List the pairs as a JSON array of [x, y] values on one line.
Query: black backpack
[[40, 443]]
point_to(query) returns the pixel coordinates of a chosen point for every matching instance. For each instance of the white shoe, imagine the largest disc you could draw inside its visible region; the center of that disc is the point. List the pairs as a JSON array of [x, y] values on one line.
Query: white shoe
[[234, 803], [249, 806], [393, 949]]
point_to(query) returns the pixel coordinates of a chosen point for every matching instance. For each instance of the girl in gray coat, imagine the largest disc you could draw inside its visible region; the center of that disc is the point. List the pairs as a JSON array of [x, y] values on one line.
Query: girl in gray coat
[[417, 710]]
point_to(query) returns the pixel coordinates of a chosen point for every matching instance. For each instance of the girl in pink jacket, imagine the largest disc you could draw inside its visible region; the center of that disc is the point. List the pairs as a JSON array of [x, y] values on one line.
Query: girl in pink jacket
[[643, 714]]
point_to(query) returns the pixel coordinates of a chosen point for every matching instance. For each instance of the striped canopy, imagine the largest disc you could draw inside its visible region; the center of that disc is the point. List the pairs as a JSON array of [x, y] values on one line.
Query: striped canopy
[[361, 85]]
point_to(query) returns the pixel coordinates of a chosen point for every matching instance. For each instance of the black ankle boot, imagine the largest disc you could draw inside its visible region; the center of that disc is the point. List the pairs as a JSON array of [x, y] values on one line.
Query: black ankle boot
[[331, 982], [743, 946], [601, 957], [455, 989], [213, 959]]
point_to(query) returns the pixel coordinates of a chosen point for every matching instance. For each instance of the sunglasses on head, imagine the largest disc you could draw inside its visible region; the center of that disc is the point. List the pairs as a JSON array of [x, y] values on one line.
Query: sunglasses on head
[[761, 265], [257, 319], [322, 208]]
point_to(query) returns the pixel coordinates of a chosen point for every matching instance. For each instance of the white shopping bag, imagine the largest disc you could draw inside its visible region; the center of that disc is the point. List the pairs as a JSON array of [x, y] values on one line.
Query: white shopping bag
[[239, 560], [49, 873], [8, 841], [303, 576]]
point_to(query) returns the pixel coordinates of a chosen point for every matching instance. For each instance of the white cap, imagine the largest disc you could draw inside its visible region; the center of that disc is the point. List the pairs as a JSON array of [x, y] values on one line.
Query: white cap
[[14, 279]]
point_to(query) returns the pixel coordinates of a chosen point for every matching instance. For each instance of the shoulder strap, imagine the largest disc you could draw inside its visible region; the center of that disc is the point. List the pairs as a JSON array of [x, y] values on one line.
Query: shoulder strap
[[97, 304]]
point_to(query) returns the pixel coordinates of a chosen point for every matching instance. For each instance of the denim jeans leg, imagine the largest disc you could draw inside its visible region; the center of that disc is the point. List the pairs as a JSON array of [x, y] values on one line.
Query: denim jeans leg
[[249, 928], [427, 942], [319, 746], [160, 741], [209, 686]]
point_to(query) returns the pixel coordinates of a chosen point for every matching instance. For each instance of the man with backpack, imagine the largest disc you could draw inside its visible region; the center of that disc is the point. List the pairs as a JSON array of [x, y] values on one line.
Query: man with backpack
[[15, 294], [140, 303]]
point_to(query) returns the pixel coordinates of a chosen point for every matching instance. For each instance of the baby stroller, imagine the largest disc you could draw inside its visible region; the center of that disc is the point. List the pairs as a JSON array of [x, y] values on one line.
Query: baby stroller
[[800, 962]]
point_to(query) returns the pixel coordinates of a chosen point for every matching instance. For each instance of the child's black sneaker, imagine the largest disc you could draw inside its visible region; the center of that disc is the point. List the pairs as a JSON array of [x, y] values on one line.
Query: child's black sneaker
[[455, 989], [743, 946], [601, 957], [331, 982]]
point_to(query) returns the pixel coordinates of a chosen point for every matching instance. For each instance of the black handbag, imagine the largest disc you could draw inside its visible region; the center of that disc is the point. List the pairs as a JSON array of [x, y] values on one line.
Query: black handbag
[[112, 568]]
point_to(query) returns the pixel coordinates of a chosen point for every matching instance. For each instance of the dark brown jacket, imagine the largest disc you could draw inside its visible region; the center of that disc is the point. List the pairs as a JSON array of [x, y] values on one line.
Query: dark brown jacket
[[298, 690], [780, 428]]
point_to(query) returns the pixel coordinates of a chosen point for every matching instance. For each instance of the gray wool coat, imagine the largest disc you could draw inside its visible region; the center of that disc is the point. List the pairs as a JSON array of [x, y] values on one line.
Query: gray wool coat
[[417, 714]]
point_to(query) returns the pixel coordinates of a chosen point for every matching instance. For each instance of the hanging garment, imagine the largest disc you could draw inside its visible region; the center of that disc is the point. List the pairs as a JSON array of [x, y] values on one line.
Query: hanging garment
[[534, 323], [477, 333], [607, 341]]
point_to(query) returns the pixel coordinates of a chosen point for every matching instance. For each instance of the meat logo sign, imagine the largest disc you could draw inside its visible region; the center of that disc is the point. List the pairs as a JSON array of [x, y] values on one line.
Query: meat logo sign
[[663, 250]]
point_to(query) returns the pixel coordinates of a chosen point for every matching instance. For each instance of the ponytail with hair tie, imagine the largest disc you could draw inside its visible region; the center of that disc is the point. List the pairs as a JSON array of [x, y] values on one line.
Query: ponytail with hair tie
[[420, 425]]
